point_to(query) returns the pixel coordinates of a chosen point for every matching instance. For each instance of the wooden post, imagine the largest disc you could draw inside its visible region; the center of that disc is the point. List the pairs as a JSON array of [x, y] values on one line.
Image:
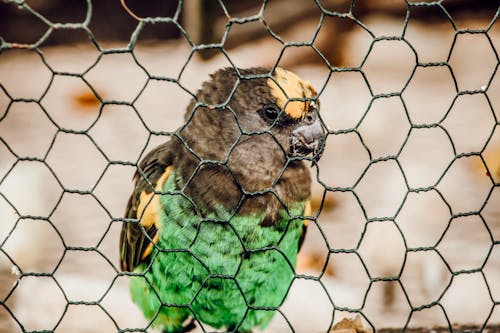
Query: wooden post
[[199, 19]]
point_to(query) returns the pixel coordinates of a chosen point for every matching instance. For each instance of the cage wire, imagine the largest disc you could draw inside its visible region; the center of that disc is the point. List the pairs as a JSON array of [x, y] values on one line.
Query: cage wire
[[142, 22]]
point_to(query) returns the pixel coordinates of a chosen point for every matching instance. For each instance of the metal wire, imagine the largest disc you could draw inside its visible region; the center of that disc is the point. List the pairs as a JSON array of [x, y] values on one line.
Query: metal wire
[[142, 22]]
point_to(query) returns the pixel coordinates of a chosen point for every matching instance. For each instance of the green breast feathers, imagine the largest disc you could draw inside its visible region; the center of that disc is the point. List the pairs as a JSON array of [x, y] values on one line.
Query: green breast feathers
[[225, 274]]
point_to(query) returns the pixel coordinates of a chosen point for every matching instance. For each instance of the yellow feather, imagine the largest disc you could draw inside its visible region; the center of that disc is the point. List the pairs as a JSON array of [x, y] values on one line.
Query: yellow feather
[[288, 85], [149, 206]]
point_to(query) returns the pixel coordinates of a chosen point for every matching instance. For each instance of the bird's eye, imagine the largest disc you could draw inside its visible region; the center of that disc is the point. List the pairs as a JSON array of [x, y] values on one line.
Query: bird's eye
[[270, 112]]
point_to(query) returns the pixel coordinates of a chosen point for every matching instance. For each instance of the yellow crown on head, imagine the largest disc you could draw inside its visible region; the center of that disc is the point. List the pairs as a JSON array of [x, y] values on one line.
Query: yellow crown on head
[[287, 85]]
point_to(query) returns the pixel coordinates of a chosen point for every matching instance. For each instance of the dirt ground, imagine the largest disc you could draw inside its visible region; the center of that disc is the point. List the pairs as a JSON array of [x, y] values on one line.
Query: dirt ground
[[463, 205]]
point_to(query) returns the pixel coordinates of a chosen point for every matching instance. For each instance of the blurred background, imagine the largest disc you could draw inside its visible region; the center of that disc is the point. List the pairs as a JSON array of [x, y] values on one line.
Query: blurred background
[[407, 192]]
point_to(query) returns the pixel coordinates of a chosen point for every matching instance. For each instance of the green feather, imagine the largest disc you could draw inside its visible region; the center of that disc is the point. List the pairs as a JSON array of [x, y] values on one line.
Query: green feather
[[208, 274]]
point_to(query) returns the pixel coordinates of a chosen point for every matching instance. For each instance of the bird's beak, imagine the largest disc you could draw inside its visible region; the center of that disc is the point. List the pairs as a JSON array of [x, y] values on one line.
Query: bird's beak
[[308, 137]]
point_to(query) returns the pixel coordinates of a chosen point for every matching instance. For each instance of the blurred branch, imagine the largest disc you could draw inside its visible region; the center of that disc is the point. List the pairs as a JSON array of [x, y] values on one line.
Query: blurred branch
[[127, 9]]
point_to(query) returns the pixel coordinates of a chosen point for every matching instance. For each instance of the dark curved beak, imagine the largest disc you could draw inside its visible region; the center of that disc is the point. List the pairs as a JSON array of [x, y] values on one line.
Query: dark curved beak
[[308, 137]]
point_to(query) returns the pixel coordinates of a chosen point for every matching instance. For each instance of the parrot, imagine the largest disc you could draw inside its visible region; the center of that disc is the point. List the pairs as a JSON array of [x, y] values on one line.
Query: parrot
[[218, 213]]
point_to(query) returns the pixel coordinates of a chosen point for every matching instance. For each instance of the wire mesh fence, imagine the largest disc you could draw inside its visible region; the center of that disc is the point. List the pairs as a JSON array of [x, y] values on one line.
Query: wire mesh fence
[[404, 227]]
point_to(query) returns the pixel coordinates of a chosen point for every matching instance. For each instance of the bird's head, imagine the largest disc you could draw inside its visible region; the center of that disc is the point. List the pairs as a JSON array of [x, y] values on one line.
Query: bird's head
[[253, 111]]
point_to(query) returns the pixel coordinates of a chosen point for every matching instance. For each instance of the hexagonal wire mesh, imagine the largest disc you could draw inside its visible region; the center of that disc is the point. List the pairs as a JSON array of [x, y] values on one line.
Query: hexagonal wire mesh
[[439, 202]]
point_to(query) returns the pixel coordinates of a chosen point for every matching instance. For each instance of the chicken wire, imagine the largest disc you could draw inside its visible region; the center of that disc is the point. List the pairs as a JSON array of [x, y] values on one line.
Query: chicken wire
[[143, 22]]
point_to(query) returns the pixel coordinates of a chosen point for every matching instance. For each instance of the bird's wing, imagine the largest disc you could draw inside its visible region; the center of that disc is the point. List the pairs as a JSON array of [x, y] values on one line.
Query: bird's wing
[[137, 237], [307, 212]]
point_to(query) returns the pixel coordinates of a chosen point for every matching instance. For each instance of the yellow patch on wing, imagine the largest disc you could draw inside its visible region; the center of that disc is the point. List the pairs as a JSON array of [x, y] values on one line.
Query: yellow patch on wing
[[287, 85], [149, 206], [161, 181], [149, 203], [149, 248], [307, 212]]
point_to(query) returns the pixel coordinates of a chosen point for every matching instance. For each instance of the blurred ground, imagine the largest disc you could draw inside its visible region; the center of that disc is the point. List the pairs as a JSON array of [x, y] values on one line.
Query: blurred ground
[[375, 192]]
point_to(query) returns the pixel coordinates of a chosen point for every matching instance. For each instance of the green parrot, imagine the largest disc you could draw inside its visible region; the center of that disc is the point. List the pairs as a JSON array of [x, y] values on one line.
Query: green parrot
[[217, 216]]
